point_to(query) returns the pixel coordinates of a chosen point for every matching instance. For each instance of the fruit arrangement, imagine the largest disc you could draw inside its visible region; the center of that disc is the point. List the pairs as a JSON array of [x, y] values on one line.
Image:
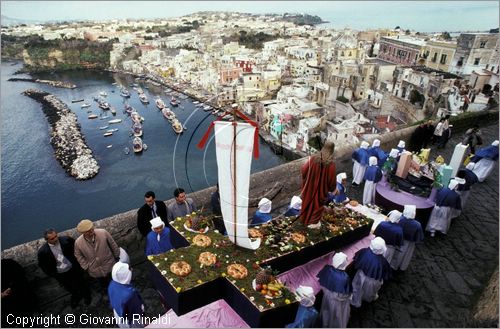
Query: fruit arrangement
[[197, 223], [267, 285]]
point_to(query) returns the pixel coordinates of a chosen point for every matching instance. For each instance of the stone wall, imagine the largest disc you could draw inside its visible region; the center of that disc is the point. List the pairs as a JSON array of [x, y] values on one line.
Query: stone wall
[[278, 184]]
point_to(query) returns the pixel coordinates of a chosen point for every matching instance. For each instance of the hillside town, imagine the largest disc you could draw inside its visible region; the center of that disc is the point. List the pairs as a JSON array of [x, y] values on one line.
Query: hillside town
[[308, 81]]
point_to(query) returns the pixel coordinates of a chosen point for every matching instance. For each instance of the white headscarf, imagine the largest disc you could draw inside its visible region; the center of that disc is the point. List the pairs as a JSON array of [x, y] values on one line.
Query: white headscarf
[[495, 143], [453, 184], [410, 211], [470, 165], [156, 222], [341, 176], [364, 145], [121, 273], [339, 261], [394, 153], [378, 246], [394, 216], [376, 143], [265, 205], [401, 144], [372, 161], [306, 295], [296, 202]]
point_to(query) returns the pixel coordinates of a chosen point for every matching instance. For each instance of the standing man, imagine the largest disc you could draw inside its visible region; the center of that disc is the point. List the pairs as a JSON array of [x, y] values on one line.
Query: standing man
[[148, 211], [96, 251], [182, 205], [57, 259]]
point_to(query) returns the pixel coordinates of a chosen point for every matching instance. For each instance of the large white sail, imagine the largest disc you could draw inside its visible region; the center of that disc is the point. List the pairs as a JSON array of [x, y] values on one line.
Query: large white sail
[[234, 146]]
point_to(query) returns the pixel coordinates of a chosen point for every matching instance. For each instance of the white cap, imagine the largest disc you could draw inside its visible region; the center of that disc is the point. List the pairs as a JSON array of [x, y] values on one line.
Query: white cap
[[453, 184], [265, 205], [410, 211], [372, 161], [495, 143], [376, 142], [470, 165], [394, 153], [394, 216], [460, 180], [341, 176], [339, 260], [121, 273], [378, 246], [306, 295], [296, 202], [156, 222], [364, 145], [124, 258], [401, 144]]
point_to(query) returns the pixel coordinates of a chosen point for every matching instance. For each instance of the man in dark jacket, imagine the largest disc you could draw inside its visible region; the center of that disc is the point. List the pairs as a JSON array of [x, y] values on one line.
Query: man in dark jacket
[[57, 259], [148, 211]]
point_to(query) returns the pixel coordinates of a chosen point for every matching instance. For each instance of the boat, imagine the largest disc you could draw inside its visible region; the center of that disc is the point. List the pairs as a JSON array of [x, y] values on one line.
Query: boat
[[84, 105], [168, 114], [77, 100], [168, 90], [104, 117], [103, 93], [115, 121], [113, 110], [109, 146], [207, 108], [143, 98], [144, 146], [137, 129], [124, 93], [92, 116], [108, 133], [137, 143], [174, 101], [115, 83], [104, 105], [139, 90], [126, 150], [112, 130], [136, 117], [128, 109], [176, 125], [214, 112], [103, 127], [196, 102], [160, 103]]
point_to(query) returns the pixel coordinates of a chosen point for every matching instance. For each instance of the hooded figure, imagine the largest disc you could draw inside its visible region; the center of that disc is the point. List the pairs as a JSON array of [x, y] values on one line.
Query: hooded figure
[[401, 147], [124, 298], [339, 196], [377, 152], [337, 291], [484, 161], [372, 269], [447, 199], [470, 179], [158, 240], [412, 233], [392, 234], [360, 162], [373, 175], [294, 208], [262, 215], [392, 161], [306, 314]]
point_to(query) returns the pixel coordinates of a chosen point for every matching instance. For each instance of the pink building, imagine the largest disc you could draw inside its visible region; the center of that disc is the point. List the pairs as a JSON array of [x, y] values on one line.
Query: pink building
[[400, 50], [227, 75]]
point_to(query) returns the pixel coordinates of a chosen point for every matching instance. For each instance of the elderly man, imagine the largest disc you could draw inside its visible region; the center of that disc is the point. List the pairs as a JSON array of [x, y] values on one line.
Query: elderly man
[[158, 240], [262, 215], [182, 205], [412, 234], [294, 208], [372, 269], [392, 234], [96, 251], [360, 161], [57, 259], [337, 291], [306, 314], [148, 211], [447, 203], [125, 300]]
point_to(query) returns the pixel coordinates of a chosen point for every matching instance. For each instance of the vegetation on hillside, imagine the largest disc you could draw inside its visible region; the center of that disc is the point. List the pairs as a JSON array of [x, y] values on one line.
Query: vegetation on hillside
[[250, 39]]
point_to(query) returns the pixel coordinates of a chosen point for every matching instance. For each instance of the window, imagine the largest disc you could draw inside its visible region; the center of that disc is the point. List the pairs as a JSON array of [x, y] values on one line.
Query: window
[[476, 61], [482, 44], [434, 57], [460, 61], [342, 53], [443, 59], [350, 54]]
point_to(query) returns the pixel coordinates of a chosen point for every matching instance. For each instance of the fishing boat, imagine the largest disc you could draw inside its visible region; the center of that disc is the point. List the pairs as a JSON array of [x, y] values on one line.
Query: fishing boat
[[114, 121], [84, 105], [77, 100], [137, 143], [136, 117], [104, 105], [143, 98], [112, 130], [92, 116], [103, 127], [168, 114], [108, 133], [113, 110], [174, 101], [128, 109], [103, 93], [137, 129], [176, 125], [140, 91], [160, 103], [196, 102], [124, 93], [207, 108]]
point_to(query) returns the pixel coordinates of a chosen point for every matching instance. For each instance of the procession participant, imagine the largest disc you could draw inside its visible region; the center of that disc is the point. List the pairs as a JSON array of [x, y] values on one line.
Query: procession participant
[[262, 215], [339, 196], [485, 160], [373, 175], [307, 315], [470, 179], [447, 199], [392, 234], [158, 238], [360, 162], [412, 234], [294, 208], [376, 151]]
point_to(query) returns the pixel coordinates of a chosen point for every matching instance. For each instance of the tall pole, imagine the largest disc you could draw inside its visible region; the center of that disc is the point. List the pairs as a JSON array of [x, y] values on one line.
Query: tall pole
[[234, 174]]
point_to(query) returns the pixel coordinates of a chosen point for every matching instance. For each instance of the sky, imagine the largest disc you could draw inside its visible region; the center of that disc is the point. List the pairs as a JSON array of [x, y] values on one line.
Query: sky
[[424, 16]]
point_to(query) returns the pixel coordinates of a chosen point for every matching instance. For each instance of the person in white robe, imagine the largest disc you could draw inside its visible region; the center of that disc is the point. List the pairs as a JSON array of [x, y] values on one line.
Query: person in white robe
[[484, 160], [373, 175], [447, 199], [360, 162], [412, 234]]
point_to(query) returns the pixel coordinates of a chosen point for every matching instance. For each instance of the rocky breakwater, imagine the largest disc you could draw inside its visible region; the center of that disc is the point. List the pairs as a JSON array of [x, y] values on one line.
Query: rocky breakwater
[[58, 84], [69, 144]]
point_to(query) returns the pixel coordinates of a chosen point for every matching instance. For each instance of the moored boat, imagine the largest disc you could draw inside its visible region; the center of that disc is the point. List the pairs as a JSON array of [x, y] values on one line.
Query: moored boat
[[108, 133], [128, 109], [176, 125], [77, 100], [114, 121], [124, 93], [144, 99], [84, 105], [160, 103], [92, 116], [136, 117], [137, 129], [174, 101], [103, 93], [137, 143], [168, 114]]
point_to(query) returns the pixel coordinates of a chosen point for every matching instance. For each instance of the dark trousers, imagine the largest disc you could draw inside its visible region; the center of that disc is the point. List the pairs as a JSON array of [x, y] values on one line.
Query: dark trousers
[[74, 282]]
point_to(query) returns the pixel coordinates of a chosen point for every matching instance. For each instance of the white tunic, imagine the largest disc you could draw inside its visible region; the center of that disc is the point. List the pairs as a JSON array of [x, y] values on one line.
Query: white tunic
[[358, 172], [440, 220], [364, 288], [464, 195], [483, 168], [403, 256], [335, 309], [369, 192], [390, 254]]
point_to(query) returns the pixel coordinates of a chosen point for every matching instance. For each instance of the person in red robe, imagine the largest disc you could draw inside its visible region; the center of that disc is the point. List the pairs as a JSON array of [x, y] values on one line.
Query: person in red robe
[[318, 178]]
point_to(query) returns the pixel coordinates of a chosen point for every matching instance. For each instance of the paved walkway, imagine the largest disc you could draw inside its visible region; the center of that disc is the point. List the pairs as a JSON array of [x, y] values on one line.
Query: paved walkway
[[448, 272]]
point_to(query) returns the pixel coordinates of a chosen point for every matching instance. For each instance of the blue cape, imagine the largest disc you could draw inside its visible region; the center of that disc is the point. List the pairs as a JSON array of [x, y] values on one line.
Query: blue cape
[[334, 280], [341, 197], [379, 153], [292, 212], [412, 229], [392, 233], [155, 247], [374, 266], [124, 299], [260, 218], [373, 173], [490, 152], [448, 198], [470, 179], [361, 156], [306, 318]]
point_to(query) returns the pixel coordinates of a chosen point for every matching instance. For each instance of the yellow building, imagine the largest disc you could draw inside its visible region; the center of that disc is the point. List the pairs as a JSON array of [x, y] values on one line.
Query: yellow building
[[438, 55]]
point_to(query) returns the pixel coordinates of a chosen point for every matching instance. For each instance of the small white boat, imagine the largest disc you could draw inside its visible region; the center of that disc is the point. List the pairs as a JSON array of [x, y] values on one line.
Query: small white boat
[[124, 93], [176, 125], [112, 130], [160, 103], [174, 101], [137, 129], [103, 127], [207, 108], [144, 146], [137, 143], [126, 150], [108, 133], [168, 114], [196, 102], [103, 93], [84, 105], [104, 117], [144, 99], [136, 117], [109, 146], [115, 121], [113, 110], [92, 116]]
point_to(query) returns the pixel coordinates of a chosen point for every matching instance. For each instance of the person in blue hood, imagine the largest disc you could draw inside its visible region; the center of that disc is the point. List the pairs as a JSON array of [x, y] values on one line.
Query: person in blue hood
[[372, 269], [294, 208], [373, 175], [307, 315], [447, 199], [127, 304], [392, 234], [337, 292], [339, 195], [470, 179], [158, 240], [262, 215], [376, 151], [484, 161], [360, 162], [412, 234]]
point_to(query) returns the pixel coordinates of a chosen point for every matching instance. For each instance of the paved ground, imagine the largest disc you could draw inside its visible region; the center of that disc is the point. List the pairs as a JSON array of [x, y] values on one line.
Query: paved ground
[[439, 288]]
